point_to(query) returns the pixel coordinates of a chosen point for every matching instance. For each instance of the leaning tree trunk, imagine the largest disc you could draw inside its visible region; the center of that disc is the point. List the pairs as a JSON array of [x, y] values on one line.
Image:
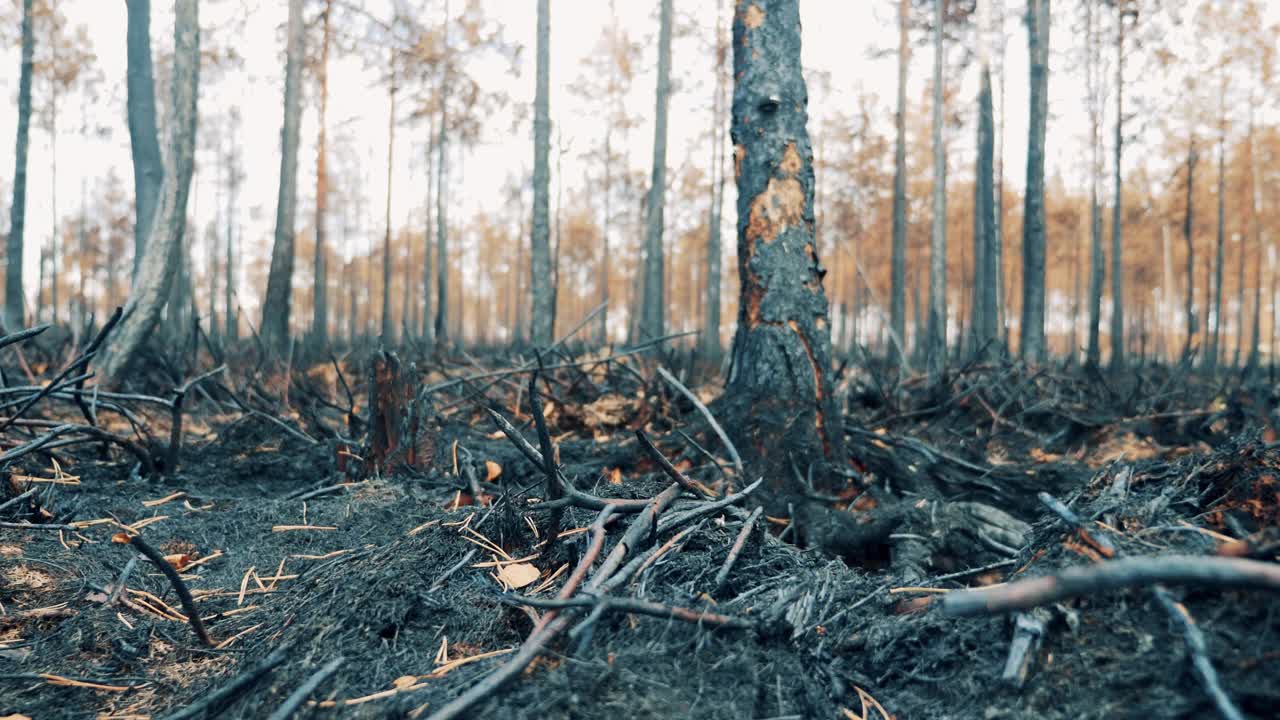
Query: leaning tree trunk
[[320, 290], [652, 313], [275, 307], [936, 334], [542, 321], [159, 265], [13, 296], [898, 262], [1117, 211], [1033, 240], [778, 401], [144, 139]]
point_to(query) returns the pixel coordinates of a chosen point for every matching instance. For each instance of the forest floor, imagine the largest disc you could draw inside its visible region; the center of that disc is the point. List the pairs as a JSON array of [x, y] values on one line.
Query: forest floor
[[401, 591]]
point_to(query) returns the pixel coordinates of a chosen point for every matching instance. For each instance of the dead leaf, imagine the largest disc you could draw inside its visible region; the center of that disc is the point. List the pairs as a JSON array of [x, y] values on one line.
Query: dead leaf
[[615, 476], [96, 597], [404, 681], [518, 575], [119, 539], [492, 471]]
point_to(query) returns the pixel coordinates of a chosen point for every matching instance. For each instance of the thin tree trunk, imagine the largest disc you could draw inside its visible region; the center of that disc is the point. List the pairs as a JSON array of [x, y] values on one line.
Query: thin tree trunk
[[898, 261], [279, 295], [1211, 359], [320, 292], [142, 312], [428, 320], [711, 323], [388, 333], [442, 204], [542, 320], [1117, 208], [936, 337], [229, 314], [1255, 182], [653, 315], [1188, 218], [1097, 259], [1033, 233], [14, 299], [985, 329]]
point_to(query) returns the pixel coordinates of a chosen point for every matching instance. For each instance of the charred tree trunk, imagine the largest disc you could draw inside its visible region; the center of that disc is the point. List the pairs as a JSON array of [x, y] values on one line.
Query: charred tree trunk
[[1188, 219], [711, 324], [542, 319], [442, 203], [779, 399], [1097, 259], [387, 332], [1211, 359], [986, 271], [14, 301], [159, 265], [1117, 209], [936, 335], [144, 138], [320, 292], [428, 320], [653, 311], [1033, 230], [275, 306], [898, 262]]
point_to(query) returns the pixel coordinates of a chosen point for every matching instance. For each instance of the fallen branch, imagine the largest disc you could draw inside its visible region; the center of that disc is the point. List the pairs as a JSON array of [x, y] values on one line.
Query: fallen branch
[[1198, 650], [724, 438], [670, 469], [736, 550], [632, 605], [179, 587], [1115, 575], [209, 705], [299, 696]]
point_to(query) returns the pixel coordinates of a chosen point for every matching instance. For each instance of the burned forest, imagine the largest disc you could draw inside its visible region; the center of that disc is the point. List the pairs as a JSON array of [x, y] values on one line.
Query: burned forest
[[733, 359]]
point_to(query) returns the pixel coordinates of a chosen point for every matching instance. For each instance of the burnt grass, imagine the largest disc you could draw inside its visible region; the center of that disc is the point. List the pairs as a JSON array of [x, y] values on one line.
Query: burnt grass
[[382, 573]]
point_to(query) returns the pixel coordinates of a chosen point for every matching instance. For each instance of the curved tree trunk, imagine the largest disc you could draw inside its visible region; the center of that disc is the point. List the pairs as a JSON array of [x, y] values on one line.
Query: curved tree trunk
[[1033, 240], [144, 139], [778, 401], [542, 317], [14, 301], [275, 307], [160, 264], [653, 311]]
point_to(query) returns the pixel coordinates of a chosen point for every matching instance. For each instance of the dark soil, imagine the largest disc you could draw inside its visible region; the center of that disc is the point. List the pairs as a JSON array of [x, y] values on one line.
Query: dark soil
[[377, 591]]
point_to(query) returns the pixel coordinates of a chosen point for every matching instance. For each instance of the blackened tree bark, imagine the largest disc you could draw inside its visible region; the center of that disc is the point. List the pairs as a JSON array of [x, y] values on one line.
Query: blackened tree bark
[[442, 200], [275, 306], [1117, 207], [428, 320], [778, 401], [320, 292], [1211, 357], [387, 331], [144, 139], [1033, 240], [1188, 218], [542, 322], [13, 296], [160, 264], [936, 334], [1097, 269], [653, 312], [985, 326], [898, 262]]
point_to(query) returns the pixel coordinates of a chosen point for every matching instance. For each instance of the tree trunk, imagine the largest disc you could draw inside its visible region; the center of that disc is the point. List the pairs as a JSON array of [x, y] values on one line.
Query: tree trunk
[[898, 262], [1188, 219], [388, 333], [1117, 207], [1211, 359], [711, 324], [542, 320], [936, 336], [229, 314], [652, 313], [1255, 182], [320, 292], [442, 206], [986, 330], [275, 306], [1033, 229], [428, 320], [1097, 259], [14, 299], [155, 276], [144, 139], [605, 258]]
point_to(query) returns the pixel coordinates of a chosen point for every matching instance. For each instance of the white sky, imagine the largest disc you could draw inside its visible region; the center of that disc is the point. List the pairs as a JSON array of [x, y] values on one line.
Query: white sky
[[839, 38]]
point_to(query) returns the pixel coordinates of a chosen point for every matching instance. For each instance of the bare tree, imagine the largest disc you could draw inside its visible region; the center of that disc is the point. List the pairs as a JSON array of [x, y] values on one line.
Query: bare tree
[[987, 276], [1097, 267], [653, 311], [898, 261], [159, 265], [936, 334], [387, 333], [542, 321], [1033, 236], [275, 307], [1117, 208], [13, 295], [442, 206], [320, 290], [711, 327], [144, 138]]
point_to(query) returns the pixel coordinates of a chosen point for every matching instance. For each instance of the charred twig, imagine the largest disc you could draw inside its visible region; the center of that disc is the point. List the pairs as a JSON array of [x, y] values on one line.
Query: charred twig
[[704, 509], [736, 550], [439, 583], [31, 526], [670, 469], [645, 523], [706, 414], [175, 428], [17, 499], [631, 605], [92, 432], [1198, 650], [1028, 633], [555, 488], [1100, 542], [299, 696], [1114, 575], [179, 587], [209, 705], [89, 415], [21, 335], [118, 588]]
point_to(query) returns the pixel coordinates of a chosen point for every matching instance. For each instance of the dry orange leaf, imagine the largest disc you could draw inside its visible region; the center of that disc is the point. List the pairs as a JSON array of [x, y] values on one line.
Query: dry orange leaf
[[404, 681], [492, 471], [615, 476], [120, 538], [518, 575]]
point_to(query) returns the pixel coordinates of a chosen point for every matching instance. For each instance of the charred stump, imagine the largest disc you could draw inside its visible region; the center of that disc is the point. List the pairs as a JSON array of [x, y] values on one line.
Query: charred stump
[[400, 434]]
